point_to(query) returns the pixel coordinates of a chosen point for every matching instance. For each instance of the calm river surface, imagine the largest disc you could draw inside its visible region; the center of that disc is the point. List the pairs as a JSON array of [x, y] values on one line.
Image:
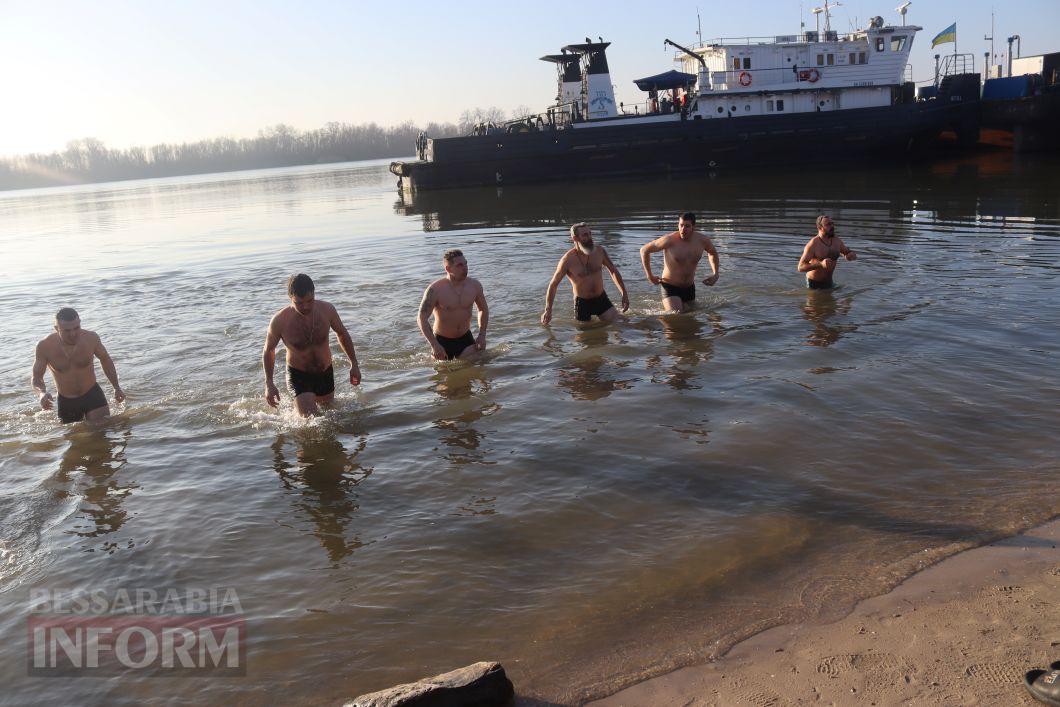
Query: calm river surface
[[589, 507]]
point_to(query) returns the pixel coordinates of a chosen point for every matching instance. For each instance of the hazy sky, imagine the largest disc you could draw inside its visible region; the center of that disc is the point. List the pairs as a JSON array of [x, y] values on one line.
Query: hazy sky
[[146, 72]]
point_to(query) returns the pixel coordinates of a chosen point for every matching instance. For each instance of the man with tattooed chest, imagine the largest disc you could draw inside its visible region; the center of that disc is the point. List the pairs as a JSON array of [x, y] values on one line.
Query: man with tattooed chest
[[304, 328]]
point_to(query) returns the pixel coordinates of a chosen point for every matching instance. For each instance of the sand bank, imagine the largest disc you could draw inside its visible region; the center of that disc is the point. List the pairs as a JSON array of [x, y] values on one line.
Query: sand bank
[[961, 632]]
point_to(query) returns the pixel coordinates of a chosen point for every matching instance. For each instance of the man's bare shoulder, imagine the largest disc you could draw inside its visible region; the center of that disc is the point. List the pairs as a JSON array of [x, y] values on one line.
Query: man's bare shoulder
[[704, 238], [280, 318], [475, 284], [326, 307], [439, 284], [48, 343]]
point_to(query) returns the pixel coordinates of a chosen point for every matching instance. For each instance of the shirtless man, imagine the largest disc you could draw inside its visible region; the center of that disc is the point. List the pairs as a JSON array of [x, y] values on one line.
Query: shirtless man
[[682, 251], [450, 300], [303, 327], [821, 255], [69, 354], [583, 265]]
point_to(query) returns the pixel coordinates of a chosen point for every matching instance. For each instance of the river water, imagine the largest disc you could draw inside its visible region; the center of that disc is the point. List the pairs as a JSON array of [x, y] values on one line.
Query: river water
[[590, 507]]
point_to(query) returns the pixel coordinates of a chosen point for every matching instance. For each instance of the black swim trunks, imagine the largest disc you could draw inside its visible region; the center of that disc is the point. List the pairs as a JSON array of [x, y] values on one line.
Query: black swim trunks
[[687, 294], [75, 409], [819, 284], [455, 347], [320, 383], [586, 308]]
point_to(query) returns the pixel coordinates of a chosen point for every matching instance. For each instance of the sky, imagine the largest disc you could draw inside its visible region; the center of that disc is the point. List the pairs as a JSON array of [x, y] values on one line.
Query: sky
[[140, 73]]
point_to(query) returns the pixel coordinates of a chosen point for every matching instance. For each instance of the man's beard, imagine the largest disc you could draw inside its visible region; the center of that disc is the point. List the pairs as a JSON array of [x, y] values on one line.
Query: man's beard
[[585, 247]]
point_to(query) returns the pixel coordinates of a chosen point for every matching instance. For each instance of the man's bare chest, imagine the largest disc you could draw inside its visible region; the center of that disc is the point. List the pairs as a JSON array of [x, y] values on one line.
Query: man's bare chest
[[453, 299], [63, 359], [305, 333]]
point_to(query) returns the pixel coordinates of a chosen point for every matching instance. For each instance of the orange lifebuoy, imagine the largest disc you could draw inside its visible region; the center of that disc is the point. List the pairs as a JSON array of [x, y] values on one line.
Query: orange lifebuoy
[[811, 75], [745, 78]]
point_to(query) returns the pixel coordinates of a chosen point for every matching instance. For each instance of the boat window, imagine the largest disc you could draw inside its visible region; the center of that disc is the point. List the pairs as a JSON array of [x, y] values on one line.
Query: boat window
[[734, 109], [862, 58], [820, 60], [880, 46], [736, 63], [720, 109], [897, 44], [747, 62], [780, 105], [831, 59], [747, 108], [853, 59], [769, 106]]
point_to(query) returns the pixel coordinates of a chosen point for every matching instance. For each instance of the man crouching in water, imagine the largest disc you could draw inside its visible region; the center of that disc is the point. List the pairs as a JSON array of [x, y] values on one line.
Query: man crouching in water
[[450, 300], [69, 354], [303, 327], [682, 251], [583, 265]]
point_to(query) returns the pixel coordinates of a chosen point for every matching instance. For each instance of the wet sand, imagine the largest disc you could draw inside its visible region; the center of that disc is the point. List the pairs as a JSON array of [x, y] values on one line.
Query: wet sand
[[961, 632]]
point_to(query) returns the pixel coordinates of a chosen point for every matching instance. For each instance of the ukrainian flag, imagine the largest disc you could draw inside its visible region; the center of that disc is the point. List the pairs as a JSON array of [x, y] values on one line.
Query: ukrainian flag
[[947, 35]]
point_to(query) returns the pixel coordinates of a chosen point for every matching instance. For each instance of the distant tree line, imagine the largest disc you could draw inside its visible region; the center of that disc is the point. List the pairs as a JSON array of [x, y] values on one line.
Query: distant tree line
[[89, 160]]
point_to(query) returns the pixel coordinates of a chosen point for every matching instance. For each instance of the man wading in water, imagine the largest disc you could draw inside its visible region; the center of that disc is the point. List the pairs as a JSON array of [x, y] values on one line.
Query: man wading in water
[[450, 300], [304, 327], [821, 255], [583, 265], [69, 354], [682, 251]]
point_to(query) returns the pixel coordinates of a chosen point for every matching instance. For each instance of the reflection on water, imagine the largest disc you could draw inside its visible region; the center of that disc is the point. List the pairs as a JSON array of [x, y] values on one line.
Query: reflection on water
[[588, 372], [467, 392], [323, 475], [91, 469], [821, 309], [689, 339]]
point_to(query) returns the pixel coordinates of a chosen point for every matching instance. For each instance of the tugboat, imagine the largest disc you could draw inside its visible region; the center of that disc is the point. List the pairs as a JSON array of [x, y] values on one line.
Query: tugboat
[[750, 102]]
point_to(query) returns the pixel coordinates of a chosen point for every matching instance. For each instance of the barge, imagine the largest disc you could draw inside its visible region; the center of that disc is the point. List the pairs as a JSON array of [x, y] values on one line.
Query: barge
[[818, 97]]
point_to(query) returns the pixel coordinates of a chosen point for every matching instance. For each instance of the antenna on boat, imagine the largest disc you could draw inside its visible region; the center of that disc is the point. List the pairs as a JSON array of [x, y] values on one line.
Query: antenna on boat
[[826, 11], [902, 9], [699, 26]]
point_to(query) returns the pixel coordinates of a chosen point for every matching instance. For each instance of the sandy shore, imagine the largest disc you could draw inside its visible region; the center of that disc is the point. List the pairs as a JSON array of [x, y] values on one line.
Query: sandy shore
[[962, 632]]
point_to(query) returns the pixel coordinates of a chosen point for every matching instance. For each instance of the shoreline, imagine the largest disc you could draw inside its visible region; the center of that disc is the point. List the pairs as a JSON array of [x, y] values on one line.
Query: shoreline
[[961, 631]]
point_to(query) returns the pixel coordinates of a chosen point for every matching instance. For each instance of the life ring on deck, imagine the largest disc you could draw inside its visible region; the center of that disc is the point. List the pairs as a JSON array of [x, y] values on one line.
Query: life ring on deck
[[811, 75], [745, 78]]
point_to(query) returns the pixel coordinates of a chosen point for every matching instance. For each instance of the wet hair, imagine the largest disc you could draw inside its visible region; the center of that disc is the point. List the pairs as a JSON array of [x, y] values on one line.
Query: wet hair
[[575, 227], [820, 220], [66, 314], [300, 285], [452, 254], [688, 217]]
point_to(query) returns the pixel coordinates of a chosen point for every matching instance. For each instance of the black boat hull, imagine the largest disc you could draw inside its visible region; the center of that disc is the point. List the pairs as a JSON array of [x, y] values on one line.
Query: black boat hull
[[686, 146]]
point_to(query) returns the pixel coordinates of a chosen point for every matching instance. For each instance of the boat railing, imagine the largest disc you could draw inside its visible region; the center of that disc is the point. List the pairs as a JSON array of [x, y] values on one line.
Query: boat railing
[[659, 106], [955, 64], [557, 117], [804, 38], [802, 76]]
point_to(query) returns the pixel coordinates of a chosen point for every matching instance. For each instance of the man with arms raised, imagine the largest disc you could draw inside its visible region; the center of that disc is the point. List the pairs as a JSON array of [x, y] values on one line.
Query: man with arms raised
[[450, 300], [304, 328], [69, 354], [821, 255], [583, 265], [682, 251]]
